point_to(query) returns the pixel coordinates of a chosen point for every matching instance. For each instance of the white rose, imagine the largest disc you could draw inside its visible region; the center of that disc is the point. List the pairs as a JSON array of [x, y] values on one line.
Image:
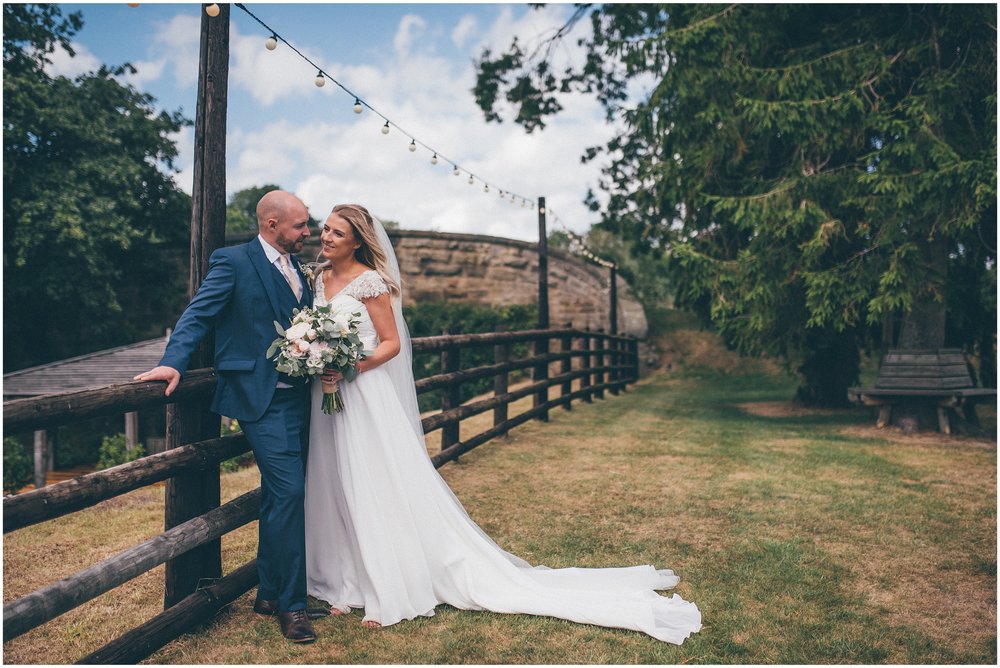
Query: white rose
[[342, 322], [315, 363], [297, 331], [302, 346], [311, 335]]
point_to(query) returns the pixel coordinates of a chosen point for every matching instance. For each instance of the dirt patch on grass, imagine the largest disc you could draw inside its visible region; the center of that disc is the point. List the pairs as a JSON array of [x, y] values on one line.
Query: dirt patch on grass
[[783, 409], [926, 439]]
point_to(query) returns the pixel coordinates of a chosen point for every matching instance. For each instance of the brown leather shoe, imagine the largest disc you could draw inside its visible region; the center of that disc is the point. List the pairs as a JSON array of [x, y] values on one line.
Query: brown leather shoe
[[268, 607], [296, 627]]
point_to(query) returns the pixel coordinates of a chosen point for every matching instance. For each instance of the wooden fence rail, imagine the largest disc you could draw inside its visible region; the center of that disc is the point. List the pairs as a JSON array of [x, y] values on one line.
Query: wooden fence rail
[[84, 491], [596, 361], [38, 607], [53, 410]]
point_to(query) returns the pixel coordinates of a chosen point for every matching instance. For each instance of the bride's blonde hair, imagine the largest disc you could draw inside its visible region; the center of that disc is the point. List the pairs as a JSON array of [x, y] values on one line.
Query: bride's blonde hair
[[370, 253]]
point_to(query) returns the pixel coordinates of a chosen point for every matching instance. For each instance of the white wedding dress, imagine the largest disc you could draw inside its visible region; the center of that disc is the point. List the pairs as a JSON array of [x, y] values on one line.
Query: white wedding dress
[[385, 533]]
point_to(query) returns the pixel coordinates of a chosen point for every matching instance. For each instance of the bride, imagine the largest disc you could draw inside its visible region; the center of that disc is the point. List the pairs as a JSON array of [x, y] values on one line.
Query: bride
[[383, 530]]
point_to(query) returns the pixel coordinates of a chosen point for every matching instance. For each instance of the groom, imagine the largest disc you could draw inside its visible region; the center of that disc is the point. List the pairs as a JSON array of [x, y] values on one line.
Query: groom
[[247, 288]]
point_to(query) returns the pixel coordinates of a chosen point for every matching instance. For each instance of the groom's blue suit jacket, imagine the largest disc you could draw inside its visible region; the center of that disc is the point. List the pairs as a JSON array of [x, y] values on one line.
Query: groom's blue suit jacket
[[241, 297]]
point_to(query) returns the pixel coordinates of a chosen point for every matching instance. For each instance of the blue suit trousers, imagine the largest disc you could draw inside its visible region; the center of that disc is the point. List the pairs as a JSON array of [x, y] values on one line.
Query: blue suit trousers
[[280, 440]]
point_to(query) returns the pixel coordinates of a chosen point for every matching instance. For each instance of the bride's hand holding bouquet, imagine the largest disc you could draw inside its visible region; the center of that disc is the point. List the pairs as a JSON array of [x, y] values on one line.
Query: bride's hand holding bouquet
[[319, 341]]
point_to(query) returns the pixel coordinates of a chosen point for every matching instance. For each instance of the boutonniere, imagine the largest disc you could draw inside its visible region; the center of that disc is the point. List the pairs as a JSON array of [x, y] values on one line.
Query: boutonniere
[[308, 270]]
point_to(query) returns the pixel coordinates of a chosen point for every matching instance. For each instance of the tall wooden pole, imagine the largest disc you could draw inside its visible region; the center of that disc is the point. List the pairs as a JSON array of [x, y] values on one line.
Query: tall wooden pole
[[613, 315], [191, 495], [541, 371], [543, 268]]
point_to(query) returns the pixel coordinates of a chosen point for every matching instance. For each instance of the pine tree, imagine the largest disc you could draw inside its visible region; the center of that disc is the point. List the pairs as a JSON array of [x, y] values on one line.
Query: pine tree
[[809, 171]]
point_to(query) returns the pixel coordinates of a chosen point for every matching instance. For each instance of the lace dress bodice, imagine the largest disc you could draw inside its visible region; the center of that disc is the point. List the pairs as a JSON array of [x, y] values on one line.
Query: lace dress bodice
[[351, 298]]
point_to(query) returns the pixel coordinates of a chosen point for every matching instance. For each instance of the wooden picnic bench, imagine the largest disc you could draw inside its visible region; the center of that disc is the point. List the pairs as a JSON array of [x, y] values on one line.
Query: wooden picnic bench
[[938, 377]]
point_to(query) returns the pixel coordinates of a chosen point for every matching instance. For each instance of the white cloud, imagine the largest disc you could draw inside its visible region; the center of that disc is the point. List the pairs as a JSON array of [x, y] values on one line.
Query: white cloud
[[410, 29], [178, 42], [84, 62], [185, 159], [269, 75], [342, 157], [65, 65], [146, 71], [464, 30]]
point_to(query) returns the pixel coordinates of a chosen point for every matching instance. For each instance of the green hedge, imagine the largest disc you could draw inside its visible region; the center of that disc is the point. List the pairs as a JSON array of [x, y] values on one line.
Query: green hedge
[[433, 318], [18, 465], [113, 452]]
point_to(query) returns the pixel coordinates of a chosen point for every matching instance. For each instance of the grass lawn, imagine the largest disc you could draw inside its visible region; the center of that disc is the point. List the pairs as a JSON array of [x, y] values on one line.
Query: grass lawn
[[803, 536]]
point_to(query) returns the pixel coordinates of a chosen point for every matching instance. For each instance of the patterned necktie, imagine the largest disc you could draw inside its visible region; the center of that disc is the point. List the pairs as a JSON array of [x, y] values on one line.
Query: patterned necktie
[[291, 276]]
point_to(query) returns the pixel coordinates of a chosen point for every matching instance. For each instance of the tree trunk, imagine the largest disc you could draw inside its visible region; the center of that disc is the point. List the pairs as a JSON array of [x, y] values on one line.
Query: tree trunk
[[923, 328]]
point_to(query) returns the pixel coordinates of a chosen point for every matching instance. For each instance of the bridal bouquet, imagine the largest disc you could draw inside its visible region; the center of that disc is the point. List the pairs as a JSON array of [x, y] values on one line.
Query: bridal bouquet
[[318, 339]]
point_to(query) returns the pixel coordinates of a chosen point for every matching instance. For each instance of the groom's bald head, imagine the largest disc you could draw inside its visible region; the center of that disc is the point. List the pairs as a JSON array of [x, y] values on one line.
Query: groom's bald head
[[283, 220], [275, 205]]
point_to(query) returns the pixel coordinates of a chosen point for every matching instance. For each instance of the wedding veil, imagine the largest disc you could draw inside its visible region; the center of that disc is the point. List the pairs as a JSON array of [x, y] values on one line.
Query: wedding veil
[[400, 367]]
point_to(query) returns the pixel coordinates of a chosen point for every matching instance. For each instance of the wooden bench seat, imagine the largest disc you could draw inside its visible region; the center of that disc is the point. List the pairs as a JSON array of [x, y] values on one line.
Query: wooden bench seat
[[939, 377]]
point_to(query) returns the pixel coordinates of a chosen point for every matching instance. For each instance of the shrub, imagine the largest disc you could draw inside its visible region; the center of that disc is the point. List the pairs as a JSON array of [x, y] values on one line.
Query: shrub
[[18, 465], [113, 452]]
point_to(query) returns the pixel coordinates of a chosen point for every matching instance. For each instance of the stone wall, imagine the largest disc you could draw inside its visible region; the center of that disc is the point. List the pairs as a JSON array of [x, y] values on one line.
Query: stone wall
[[438, 266]]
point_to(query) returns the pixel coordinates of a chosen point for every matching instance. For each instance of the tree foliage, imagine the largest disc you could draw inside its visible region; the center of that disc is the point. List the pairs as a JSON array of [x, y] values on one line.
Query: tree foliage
[[807, 169], [88, 202]]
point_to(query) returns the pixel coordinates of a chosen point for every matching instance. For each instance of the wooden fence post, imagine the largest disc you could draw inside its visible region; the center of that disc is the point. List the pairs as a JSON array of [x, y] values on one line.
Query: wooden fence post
[[191, 495], [450, 394], [539, 374], [501, 382], [567, 366], [585, 366], [41, 457], [613, 306], [599, 346], [634, 351], [614, 376]]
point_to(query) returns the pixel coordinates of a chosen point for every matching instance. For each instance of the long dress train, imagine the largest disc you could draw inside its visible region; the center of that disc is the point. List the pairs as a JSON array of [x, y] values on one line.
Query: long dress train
[[385, 533]]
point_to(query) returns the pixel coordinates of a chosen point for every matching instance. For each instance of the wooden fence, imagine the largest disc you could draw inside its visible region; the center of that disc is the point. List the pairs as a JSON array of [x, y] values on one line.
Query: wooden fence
[[600, 363]]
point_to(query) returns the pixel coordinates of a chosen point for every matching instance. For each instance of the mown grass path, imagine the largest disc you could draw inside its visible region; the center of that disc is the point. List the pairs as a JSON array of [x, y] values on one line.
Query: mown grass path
[[804, 537]]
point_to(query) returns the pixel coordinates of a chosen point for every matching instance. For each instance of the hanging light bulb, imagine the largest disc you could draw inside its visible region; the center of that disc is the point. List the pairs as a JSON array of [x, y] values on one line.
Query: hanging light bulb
[[271, 43], [501, 194], [320, 80], [385, 128], [212, 10], [470, 179], [357, 106], [511, 199], [434, 159], [486, 188], [454, 170], [413, 145]]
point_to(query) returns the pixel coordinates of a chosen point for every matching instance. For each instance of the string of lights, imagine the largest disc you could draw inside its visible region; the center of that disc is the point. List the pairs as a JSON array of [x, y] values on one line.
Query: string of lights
[[360, 104], [577, 244]]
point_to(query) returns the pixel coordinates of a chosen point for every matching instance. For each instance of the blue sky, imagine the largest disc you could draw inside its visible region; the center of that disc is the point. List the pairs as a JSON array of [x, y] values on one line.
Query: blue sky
[[412, 62]]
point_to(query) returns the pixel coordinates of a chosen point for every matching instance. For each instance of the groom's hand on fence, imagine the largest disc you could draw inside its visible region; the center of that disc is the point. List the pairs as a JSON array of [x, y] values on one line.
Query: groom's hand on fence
[[167, 373]]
